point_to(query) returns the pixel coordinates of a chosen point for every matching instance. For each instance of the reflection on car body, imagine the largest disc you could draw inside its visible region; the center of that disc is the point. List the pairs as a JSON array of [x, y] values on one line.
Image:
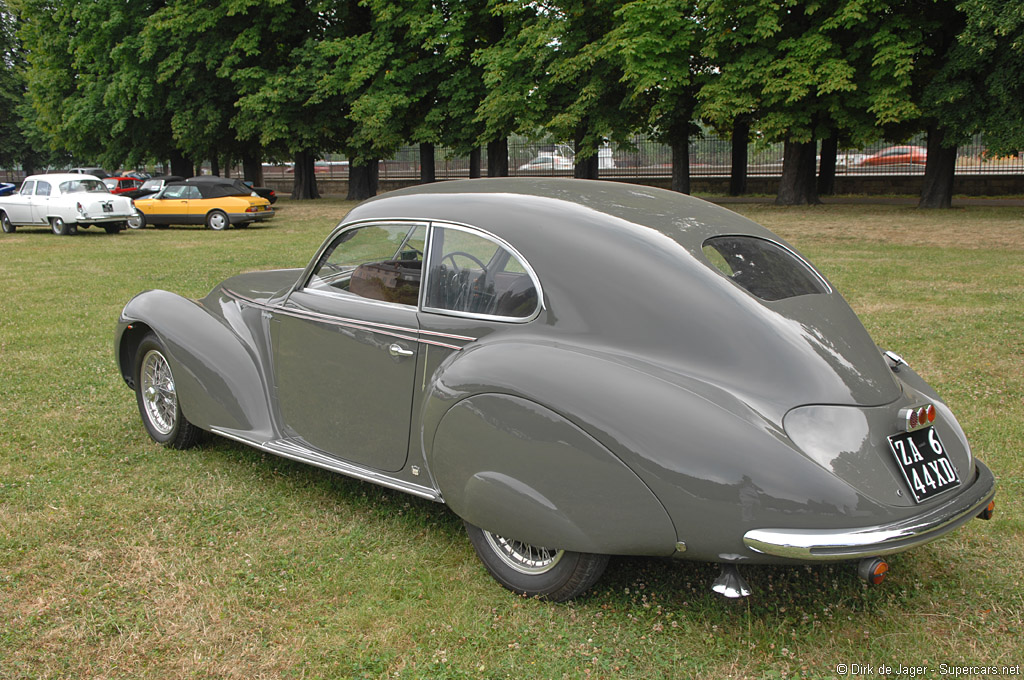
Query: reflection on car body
[[577, 369]]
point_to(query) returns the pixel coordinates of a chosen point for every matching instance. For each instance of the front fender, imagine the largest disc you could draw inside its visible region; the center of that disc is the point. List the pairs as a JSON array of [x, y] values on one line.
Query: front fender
[[518, 469], [217, 376]]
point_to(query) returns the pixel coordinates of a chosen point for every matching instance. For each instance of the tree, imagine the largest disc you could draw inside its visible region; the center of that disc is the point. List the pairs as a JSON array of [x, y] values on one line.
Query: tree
[[803, 69], [659, 43], [582, 89], [973, 83], [995, 32], [513, 56], [277, 65]]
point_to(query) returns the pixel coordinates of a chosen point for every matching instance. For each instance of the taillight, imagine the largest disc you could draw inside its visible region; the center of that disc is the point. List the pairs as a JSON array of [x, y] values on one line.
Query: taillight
[[913, 418]]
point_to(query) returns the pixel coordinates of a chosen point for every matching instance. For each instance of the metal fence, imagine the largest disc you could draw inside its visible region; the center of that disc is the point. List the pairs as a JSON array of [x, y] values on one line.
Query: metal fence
[[710, 156]]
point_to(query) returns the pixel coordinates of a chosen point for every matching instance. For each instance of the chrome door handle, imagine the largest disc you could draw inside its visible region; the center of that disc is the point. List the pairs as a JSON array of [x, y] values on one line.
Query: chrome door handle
[[397, 350]]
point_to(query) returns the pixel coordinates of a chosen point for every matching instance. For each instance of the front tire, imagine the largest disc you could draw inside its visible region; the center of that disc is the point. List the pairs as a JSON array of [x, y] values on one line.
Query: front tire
[[137, 221], [6, 224], [548, 574], [157, 398], [217, 220]]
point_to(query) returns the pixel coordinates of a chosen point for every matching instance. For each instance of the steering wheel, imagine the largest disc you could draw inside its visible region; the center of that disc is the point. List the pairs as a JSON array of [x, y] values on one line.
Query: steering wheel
[[455, 265]]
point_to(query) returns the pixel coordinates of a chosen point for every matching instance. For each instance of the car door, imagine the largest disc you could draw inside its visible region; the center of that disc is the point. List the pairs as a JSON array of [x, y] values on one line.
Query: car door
[[195, 203], [345, 345], [19, 206], [41, 202], [170, 206]]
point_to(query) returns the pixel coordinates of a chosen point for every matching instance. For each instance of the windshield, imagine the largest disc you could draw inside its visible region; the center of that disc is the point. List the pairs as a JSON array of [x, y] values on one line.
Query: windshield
[[82, 185]]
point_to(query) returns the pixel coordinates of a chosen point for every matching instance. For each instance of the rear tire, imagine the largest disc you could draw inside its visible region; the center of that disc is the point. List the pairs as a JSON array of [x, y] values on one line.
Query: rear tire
[[548, 574], [59, 227], [217, 220], [157, 398], [113, 228], [6, 224]]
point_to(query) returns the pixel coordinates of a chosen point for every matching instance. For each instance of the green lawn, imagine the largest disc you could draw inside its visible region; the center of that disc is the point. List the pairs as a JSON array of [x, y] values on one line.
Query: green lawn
[[121, 559]]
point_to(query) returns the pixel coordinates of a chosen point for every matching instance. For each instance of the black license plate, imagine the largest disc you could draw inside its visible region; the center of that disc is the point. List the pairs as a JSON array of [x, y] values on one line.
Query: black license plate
[[923, 461], [108, 207]]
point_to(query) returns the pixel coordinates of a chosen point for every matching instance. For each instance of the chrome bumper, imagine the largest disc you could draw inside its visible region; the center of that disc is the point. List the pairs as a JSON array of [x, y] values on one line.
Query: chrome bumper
[[842, 544]]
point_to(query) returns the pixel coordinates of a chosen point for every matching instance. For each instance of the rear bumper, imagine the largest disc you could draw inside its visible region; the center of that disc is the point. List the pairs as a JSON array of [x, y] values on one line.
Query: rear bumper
[[237, 218], [102, 218], [842, 544]]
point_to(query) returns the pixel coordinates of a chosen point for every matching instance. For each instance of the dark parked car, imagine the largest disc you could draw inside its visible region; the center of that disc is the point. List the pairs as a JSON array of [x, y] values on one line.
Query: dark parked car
[[153, 185], [577, 369]]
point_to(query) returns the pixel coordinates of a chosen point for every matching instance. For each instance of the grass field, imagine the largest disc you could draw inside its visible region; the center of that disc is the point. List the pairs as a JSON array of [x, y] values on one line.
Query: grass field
[[121, 559]]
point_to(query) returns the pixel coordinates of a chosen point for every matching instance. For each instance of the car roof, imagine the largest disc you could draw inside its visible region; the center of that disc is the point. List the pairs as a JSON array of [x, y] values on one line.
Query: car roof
[[62, 177], [525, 211]]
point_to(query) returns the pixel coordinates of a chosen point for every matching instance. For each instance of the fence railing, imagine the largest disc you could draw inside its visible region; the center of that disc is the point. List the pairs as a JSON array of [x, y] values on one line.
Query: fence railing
[[710, 156]]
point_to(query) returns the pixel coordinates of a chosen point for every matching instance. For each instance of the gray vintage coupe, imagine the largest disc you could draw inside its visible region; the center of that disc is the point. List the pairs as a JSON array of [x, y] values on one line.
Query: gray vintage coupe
[[577, 369]]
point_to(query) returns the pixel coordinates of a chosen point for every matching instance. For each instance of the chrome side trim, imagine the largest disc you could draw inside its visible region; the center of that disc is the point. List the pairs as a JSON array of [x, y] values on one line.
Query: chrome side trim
[[297, 452], [400, 332], [842, 544]]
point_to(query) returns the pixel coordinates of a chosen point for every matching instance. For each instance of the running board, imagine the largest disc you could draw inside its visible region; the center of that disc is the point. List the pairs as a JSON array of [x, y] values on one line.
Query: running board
[[303, 454]]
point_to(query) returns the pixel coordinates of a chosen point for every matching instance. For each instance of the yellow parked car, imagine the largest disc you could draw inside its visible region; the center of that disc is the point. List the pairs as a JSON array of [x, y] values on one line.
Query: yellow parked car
[[214, 201]]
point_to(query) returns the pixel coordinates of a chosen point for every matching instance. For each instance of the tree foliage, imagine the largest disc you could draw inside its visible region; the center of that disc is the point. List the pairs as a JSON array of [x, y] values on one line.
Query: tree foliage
[[125, 83]]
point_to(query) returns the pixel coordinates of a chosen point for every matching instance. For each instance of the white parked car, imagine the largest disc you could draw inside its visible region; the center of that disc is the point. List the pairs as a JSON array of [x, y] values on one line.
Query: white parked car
[[547, 162], [65, 202]]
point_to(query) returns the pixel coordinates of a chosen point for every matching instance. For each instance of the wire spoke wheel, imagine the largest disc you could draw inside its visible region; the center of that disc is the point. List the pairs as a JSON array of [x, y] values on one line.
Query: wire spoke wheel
[[523, 557], [158, 395]]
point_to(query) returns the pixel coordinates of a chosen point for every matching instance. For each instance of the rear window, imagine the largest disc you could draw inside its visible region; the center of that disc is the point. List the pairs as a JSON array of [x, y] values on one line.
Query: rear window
[[763, 268]]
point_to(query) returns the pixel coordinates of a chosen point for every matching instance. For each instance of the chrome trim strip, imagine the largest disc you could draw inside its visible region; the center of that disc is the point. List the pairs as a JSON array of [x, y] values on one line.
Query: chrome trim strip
[[374, 327], [842, 544], [294, 451]]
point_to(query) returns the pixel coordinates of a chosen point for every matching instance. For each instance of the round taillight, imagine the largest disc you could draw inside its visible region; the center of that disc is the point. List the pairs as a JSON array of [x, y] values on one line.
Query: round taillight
[[913, 419], [931, 413]]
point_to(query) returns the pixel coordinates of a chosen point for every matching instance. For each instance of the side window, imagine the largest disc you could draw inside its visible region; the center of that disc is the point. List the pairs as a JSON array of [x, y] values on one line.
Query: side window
[[472, 274], [177, 191], [192, 192], [27, 188], [378, 262], [42, 188]]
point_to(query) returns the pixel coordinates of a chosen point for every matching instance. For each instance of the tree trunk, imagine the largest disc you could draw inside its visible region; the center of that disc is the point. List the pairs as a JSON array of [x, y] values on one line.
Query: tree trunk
[[304, 185], [827, 169], [740, 139], [681, 165], [363, 180], [427, 170], [214, 164], [474, 163], [252, 170], [585, 168], [797, 185], [939, 169], [497, 158], [180, 164]]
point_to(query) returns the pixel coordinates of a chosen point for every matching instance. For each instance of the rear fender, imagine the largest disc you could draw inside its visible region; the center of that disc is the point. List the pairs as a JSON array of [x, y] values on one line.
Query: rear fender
[[514, 467], [217, 376]]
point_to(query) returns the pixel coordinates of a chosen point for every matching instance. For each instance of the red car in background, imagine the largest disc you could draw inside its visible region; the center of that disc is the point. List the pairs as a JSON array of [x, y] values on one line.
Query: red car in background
[[898, 155], [120, 185]]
